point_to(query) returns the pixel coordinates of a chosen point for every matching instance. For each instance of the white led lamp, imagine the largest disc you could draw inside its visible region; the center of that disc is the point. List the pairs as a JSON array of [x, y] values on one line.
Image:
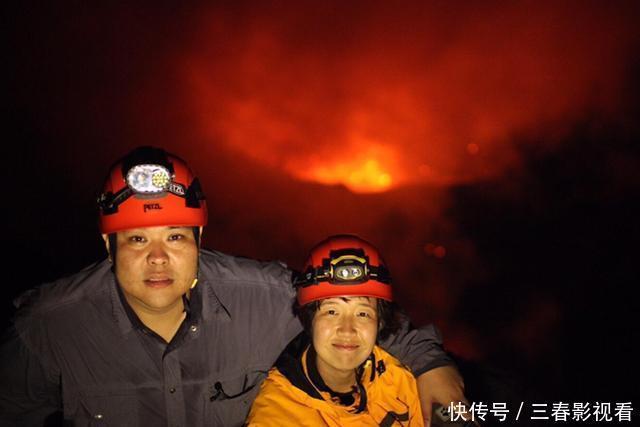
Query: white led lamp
[[346, 269], [148, 179], [145, 181]]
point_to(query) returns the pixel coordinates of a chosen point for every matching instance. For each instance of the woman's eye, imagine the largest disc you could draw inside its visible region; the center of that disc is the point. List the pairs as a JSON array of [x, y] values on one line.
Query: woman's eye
[[136, 239], [175, 237], [331, 312]]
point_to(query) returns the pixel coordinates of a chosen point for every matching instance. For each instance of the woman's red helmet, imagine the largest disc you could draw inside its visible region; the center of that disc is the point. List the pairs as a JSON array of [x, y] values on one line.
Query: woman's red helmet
[[150, 187], [343, 265]]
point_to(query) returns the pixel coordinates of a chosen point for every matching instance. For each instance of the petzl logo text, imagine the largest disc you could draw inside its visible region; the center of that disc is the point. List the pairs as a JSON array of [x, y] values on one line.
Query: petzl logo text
[[152, 206]]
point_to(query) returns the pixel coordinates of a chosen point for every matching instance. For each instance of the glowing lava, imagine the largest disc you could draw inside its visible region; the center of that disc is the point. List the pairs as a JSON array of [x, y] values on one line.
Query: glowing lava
[[446, 99], [361, 164], [365, 177]]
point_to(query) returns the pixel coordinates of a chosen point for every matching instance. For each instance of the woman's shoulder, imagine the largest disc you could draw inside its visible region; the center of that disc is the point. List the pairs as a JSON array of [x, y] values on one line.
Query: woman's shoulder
[[278, 402]]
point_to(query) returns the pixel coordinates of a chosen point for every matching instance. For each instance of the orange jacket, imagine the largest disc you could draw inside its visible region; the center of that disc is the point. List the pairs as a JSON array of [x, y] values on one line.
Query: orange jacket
[[287, 397]]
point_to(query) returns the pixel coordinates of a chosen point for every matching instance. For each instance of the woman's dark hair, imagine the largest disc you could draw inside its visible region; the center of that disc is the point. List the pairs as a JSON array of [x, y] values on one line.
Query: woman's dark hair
[[390, 316]]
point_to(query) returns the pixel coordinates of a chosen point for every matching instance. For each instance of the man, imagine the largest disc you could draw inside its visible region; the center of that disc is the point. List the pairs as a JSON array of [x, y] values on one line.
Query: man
[[163, 332]]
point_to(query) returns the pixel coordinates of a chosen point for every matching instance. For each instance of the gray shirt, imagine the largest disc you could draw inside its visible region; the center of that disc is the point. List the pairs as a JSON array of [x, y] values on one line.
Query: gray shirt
[[75, 346]]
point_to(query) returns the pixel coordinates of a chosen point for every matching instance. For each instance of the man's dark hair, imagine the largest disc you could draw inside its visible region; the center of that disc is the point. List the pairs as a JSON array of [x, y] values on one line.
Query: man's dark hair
[[390, 316]]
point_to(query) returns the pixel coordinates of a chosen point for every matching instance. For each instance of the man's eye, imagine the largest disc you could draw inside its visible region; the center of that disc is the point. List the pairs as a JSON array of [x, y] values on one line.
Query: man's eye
[[331, 312], [136, 239], [175, 237]]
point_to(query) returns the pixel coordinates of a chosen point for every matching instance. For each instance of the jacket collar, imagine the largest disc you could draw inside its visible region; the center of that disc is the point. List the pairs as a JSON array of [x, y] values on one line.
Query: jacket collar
[[356, 401], [297, 364]]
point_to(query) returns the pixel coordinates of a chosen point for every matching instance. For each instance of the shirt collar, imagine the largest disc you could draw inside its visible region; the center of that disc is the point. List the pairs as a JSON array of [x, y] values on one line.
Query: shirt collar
[[118, 305], [212, 302], [127, 319]]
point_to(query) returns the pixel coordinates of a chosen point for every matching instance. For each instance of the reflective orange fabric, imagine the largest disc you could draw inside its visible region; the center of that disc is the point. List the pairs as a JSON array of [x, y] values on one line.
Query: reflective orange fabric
[[280, 403]]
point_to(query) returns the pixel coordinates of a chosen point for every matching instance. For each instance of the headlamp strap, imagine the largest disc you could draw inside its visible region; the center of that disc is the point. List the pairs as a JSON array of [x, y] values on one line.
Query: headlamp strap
[[194, 194], [109, 202], [315, 275]]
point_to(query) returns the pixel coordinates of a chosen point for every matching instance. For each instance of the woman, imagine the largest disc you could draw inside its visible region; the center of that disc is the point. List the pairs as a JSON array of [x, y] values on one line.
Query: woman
[[335, 374]]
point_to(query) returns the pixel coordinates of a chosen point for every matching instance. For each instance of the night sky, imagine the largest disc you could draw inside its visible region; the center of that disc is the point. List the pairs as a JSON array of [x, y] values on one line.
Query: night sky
[[488, 149]]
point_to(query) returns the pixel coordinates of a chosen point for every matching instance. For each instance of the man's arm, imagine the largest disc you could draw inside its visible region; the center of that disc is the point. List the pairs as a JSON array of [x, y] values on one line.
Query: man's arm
[[418, 348], [441, 385], [27, 394], [421, 349]]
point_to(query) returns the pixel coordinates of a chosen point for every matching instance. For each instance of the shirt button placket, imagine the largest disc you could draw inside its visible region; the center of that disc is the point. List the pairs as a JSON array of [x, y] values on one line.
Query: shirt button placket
[[173, 395]]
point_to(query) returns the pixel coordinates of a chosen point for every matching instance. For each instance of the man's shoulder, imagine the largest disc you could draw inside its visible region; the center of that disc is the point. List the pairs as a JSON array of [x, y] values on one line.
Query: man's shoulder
[[240, 271], [390, 362], [65, 292]]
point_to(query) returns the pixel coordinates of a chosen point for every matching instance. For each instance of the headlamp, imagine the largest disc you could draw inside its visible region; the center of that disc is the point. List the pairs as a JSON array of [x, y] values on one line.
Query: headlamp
[[148, 179], [348, 267], [343, 266], [346, 272]]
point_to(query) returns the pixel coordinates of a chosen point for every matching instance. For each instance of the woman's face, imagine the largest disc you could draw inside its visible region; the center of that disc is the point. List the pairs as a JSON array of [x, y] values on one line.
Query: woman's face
[[344, 332]]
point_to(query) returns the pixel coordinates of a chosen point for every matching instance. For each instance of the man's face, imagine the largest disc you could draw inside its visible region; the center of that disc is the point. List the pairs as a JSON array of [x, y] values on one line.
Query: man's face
[[156, 266], [344, 332]]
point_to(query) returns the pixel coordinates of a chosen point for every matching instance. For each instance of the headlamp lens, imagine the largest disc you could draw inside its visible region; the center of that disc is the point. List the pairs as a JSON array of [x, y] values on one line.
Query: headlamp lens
[[148, 179], [348, 272]]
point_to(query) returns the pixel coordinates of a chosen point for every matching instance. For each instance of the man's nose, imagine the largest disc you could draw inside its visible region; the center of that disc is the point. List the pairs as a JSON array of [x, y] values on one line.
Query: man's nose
[[157, 254]]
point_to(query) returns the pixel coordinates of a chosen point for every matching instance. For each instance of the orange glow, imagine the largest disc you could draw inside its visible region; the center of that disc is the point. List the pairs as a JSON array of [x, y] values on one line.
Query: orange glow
[[473, 149], [352, 107], [360, 177], [363, 166], [437, 251]]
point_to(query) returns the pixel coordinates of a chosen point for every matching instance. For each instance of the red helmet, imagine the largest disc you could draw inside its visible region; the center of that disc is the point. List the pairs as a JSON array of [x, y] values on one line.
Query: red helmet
[[150, 187], [343, 265]]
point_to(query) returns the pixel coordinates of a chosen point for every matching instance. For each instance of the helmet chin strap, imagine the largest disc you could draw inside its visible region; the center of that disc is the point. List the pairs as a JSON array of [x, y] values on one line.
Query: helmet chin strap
[[113, 246], [196, 235]]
